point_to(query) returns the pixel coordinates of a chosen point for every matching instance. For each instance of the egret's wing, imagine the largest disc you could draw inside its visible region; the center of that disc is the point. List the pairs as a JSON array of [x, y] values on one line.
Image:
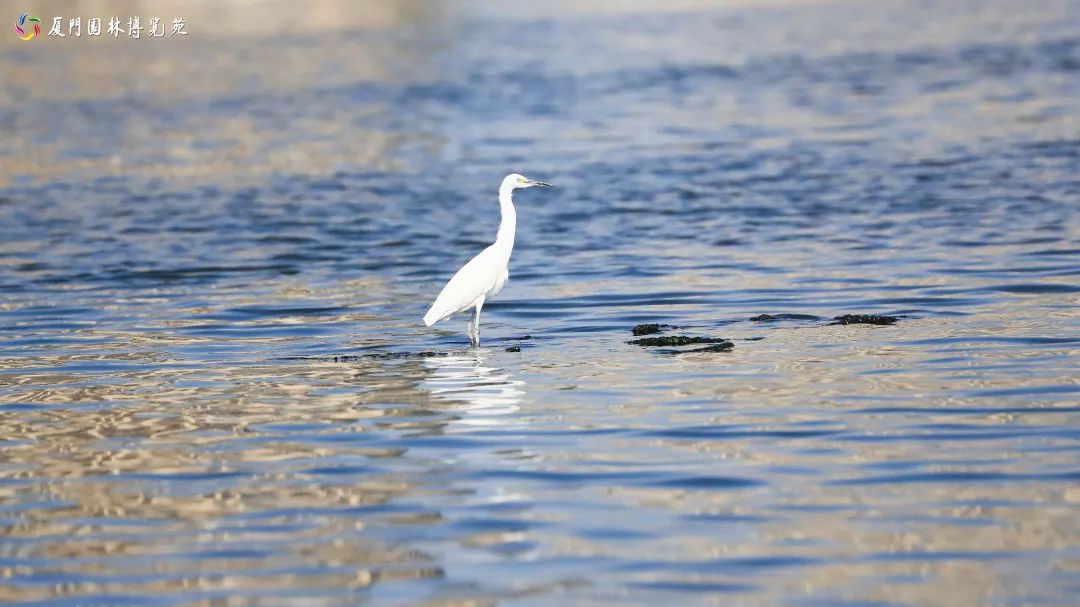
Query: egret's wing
[[471, 281]]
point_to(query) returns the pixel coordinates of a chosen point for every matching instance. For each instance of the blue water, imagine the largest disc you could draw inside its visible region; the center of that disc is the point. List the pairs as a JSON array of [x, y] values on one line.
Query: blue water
[[215, 387]]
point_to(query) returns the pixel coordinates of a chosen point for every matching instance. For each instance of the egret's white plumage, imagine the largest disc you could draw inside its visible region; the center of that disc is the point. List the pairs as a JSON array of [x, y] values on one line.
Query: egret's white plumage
[[486, 274]]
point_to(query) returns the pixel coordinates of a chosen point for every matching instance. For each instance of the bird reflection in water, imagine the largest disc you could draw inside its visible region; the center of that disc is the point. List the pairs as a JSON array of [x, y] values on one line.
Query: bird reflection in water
[[485, 392]]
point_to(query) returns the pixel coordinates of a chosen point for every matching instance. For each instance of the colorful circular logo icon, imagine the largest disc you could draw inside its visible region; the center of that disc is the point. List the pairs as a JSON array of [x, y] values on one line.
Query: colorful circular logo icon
[[24, 20]]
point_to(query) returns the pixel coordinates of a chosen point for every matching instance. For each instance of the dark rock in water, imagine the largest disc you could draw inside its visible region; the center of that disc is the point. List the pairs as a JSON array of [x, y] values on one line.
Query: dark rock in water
[[846, 319], [726, 346], [678, 340], [753, 338], [772, 317], [650, 328], [646, 329], [514, 349], [863, 319]]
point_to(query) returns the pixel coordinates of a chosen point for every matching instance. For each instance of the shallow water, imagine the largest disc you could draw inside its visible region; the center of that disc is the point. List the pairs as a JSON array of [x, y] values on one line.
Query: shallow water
[[215, 386]]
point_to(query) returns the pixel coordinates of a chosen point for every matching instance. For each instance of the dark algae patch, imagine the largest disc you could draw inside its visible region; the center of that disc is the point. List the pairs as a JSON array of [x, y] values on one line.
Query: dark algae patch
[[677, 340], [725, 346], [722, 346], [846, 319], [714, 344], [651, 328], [864, 319], [775, 317]]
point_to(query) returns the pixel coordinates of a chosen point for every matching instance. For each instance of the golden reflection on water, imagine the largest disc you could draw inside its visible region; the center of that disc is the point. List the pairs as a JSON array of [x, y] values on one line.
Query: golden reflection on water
[[209, 476], [238, 458], [232, 52]]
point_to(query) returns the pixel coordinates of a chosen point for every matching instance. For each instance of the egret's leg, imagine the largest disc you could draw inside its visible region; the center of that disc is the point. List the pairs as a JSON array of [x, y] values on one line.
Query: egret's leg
[[476, 323], [474, 328]]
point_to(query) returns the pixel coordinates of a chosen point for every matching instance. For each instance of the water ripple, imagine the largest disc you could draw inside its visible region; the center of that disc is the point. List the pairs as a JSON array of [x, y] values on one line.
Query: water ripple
[[215, 386]]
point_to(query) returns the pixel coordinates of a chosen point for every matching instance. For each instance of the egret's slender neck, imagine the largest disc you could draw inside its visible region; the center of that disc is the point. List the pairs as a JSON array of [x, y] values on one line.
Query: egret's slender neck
[[508, 225]]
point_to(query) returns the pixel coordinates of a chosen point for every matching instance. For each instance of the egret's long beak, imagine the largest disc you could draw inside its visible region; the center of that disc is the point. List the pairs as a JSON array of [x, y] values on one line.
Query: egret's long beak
[[540, 183]]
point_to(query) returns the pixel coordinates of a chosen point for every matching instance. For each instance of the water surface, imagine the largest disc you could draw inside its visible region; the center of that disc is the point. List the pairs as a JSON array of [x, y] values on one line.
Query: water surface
[[213, 379]]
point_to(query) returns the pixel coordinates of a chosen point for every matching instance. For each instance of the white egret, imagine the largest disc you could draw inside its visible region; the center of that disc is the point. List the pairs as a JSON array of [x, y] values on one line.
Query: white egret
[[486, 274]]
